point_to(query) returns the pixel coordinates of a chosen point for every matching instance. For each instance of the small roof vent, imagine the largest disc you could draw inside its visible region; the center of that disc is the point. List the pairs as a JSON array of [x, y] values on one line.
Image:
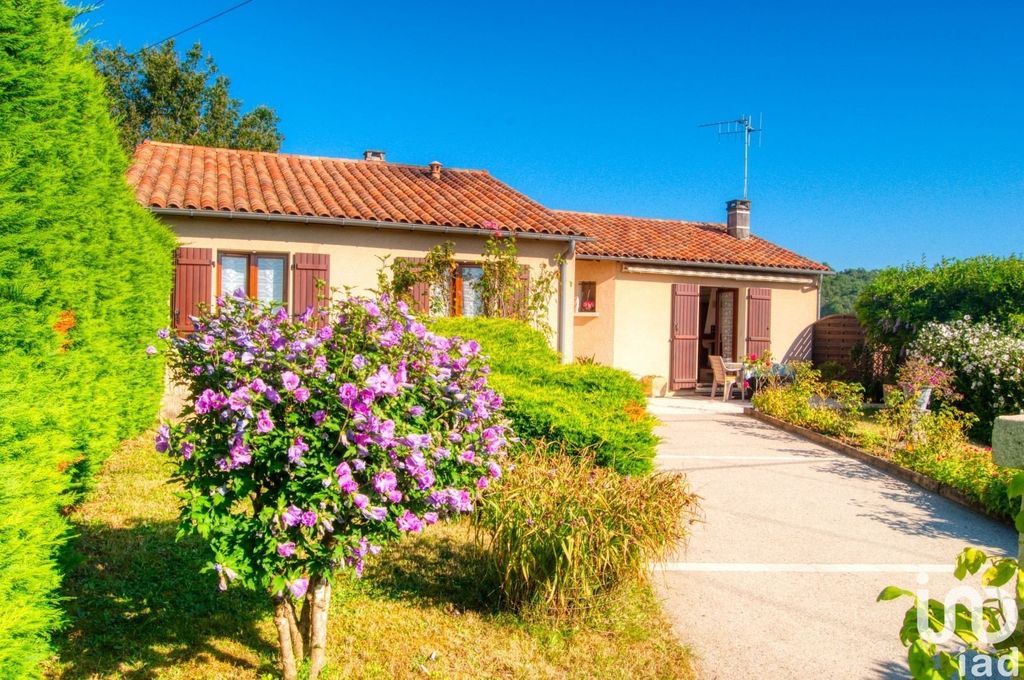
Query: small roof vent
[[373, 155], [435, 170]]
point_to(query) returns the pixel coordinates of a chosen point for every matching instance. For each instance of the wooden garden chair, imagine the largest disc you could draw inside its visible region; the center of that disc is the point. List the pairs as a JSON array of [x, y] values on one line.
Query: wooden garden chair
[[723, 376]]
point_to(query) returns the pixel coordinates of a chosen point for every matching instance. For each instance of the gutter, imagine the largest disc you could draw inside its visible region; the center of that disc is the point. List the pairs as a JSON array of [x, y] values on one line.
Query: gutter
[[366, 224], [565, 301], [706, 265]]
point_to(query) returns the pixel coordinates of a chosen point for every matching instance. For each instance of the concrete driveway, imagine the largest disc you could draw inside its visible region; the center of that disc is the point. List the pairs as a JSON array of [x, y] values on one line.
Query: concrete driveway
[[780, 579]]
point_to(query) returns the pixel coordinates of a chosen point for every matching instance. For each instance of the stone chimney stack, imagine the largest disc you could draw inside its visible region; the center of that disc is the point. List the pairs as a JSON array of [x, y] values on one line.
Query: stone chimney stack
[[435, 170], [738, 224]]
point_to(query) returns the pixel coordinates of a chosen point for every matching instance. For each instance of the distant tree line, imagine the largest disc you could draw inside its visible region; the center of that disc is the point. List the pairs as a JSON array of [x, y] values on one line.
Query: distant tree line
[[839, 292]]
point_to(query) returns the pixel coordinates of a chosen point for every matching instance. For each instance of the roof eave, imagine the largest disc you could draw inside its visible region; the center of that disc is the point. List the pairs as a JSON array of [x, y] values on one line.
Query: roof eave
[[706, 265], [366, 224]]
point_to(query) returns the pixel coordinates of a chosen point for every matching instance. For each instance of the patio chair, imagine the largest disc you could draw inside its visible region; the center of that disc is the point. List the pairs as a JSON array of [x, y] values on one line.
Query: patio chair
[[727, 377]]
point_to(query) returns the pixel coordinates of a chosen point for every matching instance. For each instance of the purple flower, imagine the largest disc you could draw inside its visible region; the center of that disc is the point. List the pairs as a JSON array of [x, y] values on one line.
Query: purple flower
[[296, 450], [150, 350], [162, 442], [186, 450], [239, 399], [291, 516], [358, 362], [272, 396], [247, 358], [289, 380], [430, 518], [416, 411], [409, 522], [371, 308], [348, 393], [318, 417], [258, 386], [375, 513], [240, 454], [383, 382], [301, 394], [360, 501], [286, 549], [482, 483], [494, 470], [263, 422], [385, 481], [389, 339], [298, 587], [163, 333], [394, 496], [325, 333], [308, 518], [228, 356], [469, 349]]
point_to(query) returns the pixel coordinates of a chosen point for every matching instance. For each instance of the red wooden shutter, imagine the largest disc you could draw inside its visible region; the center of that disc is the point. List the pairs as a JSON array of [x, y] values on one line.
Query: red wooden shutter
[[685, 335], [193, 281], [307, 269], [759, 320], [420, 291], [518, 305]]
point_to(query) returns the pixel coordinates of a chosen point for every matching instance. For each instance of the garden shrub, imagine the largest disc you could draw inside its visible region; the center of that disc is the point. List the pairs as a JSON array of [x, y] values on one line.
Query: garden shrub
[[585, 408], [563, 534], [987, 361], [830, 407], [309, 443], [898, 302], [86, 279]]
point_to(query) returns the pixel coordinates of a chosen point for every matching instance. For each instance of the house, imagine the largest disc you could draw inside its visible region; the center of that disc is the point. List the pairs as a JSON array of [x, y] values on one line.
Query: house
[[658, 297], [655, 297]]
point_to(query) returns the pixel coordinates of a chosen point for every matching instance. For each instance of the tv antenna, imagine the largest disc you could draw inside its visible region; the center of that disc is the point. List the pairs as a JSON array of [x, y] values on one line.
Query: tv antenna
[[743, 125]]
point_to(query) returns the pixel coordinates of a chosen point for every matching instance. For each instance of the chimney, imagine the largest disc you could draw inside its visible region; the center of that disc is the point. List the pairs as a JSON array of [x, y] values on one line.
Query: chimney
[[435, 170], [738, 224], [373, 155]]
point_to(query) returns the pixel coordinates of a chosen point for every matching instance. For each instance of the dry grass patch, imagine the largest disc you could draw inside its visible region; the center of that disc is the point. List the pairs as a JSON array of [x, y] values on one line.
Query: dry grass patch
[[139, 608]]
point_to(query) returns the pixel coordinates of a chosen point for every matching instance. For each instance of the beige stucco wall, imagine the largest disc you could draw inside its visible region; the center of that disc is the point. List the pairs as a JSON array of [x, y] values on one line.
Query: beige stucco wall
[[594, 333], [355, 252], [637, 337]]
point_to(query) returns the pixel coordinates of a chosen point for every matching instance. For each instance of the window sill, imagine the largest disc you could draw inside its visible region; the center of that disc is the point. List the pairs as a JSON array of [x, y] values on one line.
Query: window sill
[[587, 314]]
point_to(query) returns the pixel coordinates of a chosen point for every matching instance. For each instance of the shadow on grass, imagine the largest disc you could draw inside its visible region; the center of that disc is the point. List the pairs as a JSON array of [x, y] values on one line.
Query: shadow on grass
[[136, 603], [444, 567]]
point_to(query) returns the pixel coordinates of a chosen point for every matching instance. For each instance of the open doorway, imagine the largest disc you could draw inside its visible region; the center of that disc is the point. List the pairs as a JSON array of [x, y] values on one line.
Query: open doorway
[[717, 324]]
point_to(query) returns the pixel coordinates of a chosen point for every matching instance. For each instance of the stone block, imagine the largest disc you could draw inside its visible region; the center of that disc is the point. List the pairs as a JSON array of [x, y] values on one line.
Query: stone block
[[1008, 441]]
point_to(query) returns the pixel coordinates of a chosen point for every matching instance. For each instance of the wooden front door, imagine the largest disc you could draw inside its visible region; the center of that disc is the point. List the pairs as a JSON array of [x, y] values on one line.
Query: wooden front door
[[685, 336]]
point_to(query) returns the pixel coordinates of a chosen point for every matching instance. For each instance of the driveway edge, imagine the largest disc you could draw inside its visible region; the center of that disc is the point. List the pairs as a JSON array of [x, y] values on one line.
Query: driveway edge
[[879, 463]]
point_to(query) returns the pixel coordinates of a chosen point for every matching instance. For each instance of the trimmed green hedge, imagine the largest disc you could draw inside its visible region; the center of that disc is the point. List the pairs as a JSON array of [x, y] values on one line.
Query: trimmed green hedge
[[583, 407], [86, 277]]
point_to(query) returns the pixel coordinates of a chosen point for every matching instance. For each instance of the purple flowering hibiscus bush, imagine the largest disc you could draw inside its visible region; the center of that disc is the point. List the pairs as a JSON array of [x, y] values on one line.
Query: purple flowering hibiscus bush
[[309, 443]]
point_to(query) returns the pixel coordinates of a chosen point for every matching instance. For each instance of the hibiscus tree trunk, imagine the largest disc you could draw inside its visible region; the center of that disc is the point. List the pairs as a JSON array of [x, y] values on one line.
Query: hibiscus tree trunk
[[318, 626], [284, 637], [297, 637]]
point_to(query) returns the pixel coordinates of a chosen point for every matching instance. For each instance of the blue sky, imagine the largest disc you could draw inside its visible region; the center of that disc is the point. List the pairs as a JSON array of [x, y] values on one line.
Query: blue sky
[[892, 128]]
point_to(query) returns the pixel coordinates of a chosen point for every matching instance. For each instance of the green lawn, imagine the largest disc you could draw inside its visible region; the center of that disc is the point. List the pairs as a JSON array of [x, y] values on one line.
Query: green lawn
[[138, 607]]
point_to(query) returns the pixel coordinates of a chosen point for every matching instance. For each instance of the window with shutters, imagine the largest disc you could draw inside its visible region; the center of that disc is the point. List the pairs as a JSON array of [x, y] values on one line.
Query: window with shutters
[[261, 276]]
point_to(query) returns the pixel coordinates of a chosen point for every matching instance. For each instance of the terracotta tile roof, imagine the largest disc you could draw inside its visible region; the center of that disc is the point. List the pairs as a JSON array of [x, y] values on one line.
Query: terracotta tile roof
[[645, 238], [202, 178]]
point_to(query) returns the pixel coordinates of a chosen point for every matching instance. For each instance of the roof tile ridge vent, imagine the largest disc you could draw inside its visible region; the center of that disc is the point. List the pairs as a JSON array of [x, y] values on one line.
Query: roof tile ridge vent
[[563, 211]]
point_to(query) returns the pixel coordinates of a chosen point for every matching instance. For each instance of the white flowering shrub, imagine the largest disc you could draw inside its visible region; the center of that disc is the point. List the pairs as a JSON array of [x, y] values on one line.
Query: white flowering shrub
[[988, 363]]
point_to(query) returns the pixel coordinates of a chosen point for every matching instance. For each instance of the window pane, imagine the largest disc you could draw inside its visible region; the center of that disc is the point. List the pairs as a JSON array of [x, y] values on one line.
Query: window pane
[[270, 279], [472, 305], [234, 274], [587, 297]]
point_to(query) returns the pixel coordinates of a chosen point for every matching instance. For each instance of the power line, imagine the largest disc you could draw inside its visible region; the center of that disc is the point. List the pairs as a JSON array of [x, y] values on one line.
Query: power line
[[197, 25]]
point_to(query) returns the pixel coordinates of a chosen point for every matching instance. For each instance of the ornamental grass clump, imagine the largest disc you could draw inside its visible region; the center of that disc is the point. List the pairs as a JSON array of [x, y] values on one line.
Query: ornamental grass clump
[[310, 442], [564, 534]]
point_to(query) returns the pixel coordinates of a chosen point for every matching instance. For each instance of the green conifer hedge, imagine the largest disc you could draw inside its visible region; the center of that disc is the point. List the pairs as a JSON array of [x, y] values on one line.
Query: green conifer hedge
[[85, 276]]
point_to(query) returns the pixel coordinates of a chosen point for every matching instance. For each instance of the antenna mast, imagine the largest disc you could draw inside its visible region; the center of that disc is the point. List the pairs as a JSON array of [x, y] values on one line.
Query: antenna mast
[[741, 126]]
